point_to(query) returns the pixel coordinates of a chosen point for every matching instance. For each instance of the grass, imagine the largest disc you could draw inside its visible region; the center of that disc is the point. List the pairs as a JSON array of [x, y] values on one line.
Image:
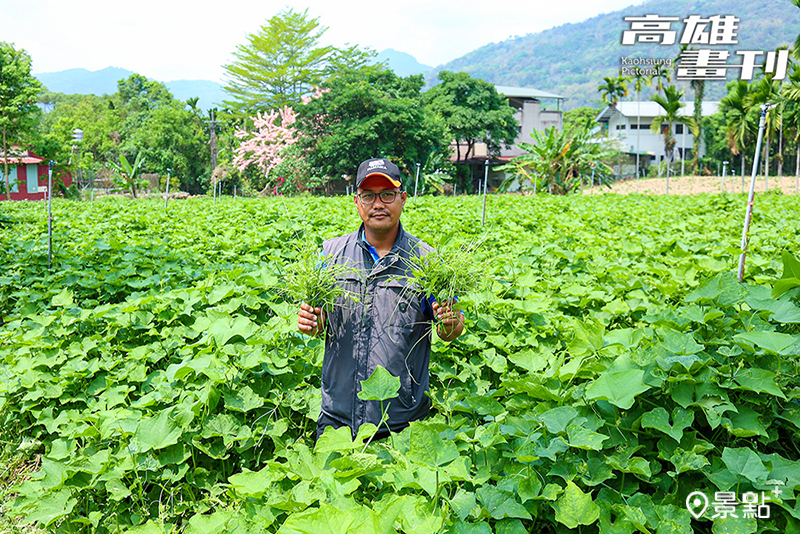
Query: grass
[[449, 272], [313, 281], [15, 468]]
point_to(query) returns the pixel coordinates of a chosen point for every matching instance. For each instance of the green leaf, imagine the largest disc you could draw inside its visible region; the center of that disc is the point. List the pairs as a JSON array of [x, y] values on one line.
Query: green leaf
[[500, 503], [381, 385], [337, 439], [52, 506], [529, 360], [158, 432], [243, 400], [759, 380], [772, 341], [588, 339], [253, 483], [63, 299], [471, 528], [744, 424], [734, 525], [791, 275], [575, 508], [658, 418], [463, 503], [583, 438], [619, 388], [745, 462], [216, 523], [680, 343], [687, 461], [427, 448], [557, 419], [151, 527]]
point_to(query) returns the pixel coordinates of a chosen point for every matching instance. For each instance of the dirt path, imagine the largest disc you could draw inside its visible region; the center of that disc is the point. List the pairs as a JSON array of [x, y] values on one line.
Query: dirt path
[[690, 185]]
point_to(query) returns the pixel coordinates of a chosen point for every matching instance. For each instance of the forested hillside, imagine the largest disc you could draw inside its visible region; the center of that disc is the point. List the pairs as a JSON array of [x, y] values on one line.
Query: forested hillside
[[572, 59]]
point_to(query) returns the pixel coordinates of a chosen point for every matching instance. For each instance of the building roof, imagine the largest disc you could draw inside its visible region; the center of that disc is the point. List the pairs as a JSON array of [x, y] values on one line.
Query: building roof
[[18, 155], [525, 92], [653, 109]]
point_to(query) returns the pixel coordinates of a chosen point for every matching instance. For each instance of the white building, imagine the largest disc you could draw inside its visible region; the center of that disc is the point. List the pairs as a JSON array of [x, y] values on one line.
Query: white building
[[529, 113], [630, 122]]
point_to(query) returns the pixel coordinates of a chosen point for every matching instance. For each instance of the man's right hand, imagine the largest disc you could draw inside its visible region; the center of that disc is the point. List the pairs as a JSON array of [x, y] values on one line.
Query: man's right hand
[[310, 320]]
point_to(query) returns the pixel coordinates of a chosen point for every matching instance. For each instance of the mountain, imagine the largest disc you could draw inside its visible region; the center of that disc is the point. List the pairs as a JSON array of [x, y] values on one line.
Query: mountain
[[210, 93], [84, 82], [102, 82], [401, 63], [572, 59]]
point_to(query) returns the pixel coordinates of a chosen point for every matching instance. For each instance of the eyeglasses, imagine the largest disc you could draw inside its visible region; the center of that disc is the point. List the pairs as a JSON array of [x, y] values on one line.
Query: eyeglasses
[[387, 197]]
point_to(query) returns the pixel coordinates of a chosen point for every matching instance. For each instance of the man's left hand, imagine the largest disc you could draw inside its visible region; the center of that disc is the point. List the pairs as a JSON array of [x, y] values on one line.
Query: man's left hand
[[449, 322]]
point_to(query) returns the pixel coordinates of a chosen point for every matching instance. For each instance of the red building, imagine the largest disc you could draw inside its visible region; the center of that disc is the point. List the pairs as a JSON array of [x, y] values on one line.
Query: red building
[[27, 175]]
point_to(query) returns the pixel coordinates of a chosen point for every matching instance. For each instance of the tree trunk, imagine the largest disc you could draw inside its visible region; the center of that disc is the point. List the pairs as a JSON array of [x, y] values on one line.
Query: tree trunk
[[780, 149], [5, 164], [797, 162], [766, 163]]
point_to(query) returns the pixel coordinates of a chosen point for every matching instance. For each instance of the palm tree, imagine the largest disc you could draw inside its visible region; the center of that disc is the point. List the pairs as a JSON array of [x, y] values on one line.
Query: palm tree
[[661, 76], [790, 99], [671, 105], [639, 81], [613, 89], [739, 116], [699, 88], [766, 90]]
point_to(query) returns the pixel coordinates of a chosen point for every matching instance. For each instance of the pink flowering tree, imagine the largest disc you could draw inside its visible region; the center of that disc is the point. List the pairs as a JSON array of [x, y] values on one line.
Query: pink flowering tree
[[264, 146]]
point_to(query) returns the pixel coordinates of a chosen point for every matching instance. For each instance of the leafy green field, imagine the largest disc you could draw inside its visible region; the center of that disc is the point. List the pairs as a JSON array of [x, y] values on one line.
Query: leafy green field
[[614, 366]]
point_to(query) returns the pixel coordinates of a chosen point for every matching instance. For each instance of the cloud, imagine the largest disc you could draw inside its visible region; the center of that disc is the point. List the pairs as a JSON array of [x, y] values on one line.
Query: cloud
[[170, 40]]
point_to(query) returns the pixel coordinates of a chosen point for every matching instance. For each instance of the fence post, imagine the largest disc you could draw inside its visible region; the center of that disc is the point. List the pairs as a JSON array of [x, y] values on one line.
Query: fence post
[[749, 210]]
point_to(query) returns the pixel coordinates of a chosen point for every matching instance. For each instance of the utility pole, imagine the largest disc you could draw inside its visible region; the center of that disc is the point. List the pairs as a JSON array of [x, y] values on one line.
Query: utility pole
[[213, 127]]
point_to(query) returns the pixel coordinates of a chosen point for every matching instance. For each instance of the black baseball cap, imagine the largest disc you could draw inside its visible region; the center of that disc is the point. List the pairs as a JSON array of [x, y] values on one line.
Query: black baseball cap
[[378, 167]]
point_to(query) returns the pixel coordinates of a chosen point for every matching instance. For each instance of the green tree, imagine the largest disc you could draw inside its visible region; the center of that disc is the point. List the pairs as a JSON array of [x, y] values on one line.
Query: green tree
[[660, 78], [762, 91], [790, 96], [18, 92], [129, 173], [368, 112], [671, 104], [613, 89], [473, 111], [96, 116], [560, 160], [578, 119], [740, 118], [279, 64], [142, 116]]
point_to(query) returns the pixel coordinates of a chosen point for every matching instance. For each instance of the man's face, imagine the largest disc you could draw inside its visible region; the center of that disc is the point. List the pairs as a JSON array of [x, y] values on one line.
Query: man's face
[[379, 216]]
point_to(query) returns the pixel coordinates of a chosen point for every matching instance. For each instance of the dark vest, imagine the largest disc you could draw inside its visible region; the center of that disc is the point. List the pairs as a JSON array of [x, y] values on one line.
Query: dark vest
[[388, 325]]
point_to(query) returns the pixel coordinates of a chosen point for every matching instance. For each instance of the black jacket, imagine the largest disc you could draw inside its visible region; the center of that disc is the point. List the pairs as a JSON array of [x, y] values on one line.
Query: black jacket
[[389, 325]]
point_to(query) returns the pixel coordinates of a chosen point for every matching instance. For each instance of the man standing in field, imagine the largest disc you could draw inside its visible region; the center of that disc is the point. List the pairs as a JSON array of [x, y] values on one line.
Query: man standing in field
[[389, 324]]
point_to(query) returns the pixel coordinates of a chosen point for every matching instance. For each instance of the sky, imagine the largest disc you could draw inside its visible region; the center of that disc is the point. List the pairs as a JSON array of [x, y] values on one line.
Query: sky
[[177, 40]]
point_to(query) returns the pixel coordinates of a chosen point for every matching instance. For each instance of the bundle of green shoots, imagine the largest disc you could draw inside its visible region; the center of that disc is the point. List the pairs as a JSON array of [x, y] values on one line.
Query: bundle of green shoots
[[312, 280], [448, 273]]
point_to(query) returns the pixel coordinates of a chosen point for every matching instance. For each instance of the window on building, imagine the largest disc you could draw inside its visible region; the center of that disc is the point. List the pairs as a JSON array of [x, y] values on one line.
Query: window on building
[[679, 128], [32, 172], [12, 178], [620, 127]]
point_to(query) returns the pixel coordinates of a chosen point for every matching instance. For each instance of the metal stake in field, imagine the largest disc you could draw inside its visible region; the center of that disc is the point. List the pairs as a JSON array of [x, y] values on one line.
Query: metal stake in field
[[166, 197], [724, 168], [485, 180], [50, 215], [749, 210], [416, 180]]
